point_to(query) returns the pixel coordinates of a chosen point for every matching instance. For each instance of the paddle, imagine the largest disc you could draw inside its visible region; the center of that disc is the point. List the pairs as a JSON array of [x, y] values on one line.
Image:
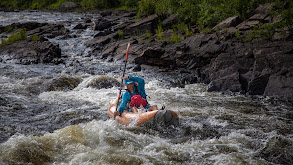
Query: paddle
[[120, 90]]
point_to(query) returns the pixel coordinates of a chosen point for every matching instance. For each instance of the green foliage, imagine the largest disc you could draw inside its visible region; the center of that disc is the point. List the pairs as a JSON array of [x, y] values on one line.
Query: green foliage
[[183, 27], [56, 4], [35, 38], [120, 33], [99, 4], [159, 32], [176, 38], [129, 3], [148, 34], [9, 28], [21, 35], [147, 6]]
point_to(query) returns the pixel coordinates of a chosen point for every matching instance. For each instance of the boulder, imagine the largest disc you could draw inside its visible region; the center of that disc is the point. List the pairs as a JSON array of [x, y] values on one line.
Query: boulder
[[147, 24], [102, 24], [62, 83], [30, 52], [280, 85], [227, 83], [103, 82], [153, 57]]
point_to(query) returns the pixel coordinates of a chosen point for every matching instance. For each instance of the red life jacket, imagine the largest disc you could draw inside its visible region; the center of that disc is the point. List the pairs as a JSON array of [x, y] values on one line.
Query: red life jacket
[[137, 101]]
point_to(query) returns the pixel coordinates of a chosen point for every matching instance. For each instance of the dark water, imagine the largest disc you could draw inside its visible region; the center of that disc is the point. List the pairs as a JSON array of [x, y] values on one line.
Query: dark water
[[71, 127]]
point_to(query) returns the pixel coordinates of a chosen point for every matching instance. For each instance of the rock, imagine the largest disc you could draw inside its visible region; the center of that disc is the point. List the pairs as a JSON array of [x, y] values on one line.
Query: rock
[[247, 25], [102, 33], [257, 85], [279, 85], [106, 13], [102, 24], [66, 6], [103, 82], [62, 83], [227, 83], [80, 26], [152, 57], [168, 22], [30, 52], [101, 41], [144, 25], [48, 31], [137, 68], [229, 22]]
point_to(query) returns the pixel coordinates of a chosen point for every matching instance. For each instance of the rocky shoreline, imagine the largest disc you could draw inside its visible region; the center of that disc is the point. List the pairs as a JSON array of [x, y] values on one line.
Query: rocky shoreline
[[218, 58]]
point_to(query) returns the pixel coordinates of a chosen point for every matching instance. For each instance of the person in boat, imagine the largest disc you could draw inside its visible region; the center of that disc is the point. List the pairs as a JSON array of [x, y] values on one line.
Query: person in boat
[[135, 96]]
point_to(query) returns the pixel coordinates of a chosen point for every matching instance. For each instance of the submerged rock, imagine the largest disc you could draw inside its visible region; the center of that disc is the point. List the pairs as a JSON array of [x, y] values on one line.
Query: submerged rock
[[62, 83], [103, 82]]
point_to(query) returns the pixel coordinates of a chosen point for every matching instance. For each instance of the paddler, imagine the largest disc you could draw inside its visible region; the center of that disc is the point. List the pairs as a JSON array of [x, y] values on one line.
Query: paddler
[[135, 96]]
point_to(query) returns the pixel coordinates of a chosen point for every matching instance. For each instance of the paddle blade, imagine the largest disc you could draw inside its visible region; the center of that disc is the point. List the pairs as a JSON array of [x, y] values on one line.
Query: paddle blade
[[127, 51]]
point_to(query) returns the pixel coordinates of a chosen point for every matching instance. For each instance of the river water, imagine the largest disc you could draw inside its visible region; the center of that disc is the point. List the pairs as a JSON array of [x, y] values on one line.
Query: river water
[[72, 127]]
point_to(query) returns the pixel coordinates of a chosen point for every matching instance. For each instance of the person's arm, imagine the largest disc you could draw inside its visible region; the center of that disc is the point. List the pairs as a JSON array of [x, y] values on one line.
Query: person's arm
[[140, 82], [123, 103]]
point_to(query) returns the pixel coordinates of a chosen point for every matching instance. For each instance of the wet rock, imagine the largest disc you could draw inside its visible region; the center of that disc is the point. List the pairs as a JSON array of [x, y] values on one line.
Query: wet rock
[[227, 83], [80, 26], [102, 24], [30, 52], [102, 33], [137, 68], [62, 83], [278, 150], [106, 13], [280, 86], [101, 41], [103, 82], [26, 152]]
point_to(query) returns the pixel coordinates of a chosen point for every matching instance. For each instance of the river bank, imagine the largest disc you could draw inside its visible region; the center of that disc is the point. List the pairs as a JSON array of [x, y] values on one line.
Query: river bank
[[224, 58]]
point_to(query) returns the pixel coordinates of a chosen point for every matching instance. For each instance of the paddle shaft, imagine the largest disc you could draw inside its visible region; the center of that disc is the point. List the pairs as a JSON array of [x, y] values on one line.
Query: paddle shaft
[[121, 85]]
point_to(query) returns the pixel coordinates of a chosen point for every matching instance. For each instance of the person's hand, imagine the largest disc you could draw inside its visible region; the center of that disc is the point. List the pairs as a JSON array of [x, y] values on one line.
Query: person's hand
[[124, 77], [116, 113]]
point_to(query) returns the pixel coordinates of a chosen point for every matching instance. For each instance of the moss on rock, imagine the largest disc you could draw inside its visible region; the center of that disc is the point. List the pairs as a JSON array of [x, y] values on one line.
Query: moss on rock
[[103, 82]]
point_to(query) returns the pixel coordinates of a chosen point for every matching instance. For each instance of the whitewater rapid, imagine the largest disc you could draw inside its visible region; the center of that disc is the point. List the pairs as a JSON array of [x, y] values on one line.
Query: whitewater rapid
[[72, 126]]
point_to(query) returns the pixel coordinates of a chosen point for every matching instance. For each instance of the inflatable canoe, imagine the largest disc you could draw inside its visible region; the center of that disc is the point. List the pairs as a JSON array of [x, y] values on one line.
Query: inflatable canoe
[[162, 117]]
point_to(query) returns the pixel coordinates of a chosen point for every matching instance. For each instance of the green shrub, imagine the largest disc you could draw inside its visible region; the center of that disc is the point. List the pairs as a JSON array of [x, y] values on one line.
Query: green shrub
[[35, 38], [21, 35], [99, 4], [56, 4], [147, 6], [176, 38], [148, 34], [120, 33], [183, 27], [159, 32], [129, 3], [9, 28]]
